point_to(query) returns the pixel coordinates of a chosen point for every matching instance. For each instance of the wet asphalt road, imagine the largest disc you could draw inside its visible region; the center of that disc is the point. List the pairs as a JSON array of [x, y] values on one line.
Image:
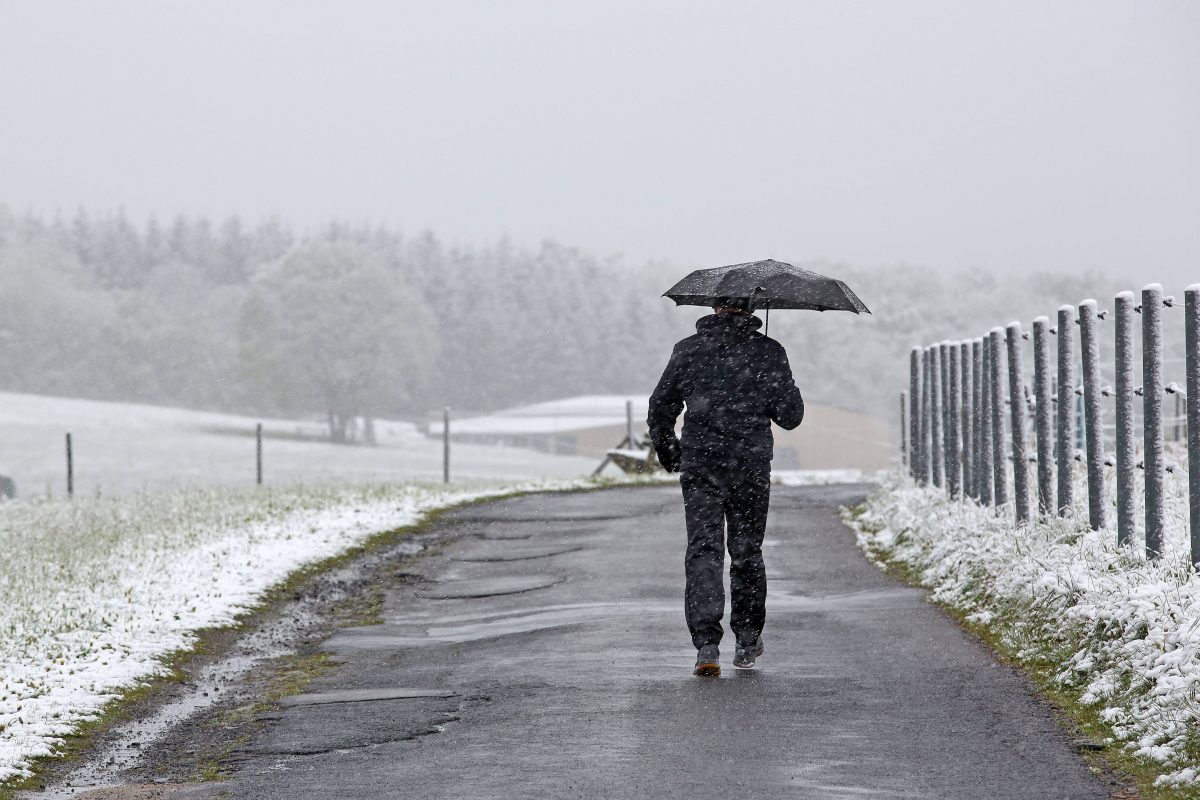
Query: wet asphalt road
[[549, 657]]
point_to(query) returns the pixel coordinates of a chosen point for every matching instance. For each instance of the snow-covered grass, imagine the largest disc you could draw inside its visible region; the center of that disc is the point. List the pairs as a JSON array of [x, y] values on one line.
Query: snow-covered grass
[[1118, 632], [123, 447], [95, 593]]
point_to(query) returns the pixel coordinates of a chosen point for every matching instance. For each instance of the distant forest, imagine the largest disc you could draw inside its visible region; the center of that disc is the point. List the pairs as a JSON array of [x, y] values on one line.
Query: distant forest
[[351, 321]]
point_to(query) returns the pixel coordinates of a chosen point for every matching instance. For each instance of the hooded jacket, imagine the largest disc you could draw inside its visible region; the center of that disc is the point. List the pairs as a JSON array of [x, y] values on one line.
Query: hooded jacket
[[735, 382]]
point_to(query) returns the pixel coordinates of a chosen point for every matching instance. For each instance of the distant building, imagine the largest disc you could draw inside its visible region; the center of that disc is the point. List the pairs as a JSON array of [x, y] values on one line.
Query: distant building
[[588, 426]]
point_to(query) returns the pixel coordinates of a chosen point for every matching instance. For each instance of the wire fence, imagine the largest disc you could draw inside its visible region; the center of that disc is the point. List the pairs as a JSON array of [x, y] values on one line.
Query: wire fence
[[974, 419]]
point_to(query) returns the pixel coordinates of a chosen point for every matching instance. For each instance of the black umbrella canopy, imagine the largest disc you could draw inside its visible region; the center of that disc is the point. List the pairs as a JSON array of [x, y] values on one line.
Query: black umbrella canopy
[[766, 284]]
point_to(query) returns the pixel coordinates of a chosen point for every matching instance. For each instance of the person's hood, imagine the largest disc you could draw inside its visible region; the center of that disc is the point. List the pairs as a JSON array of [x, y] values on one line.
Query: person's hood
[[733, 323]]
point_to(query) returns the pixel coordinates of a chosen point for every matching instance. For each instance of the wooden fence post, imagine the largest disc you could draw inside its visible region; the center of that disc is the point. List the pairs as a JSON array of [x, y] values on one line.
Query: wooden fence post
[[70, 468], [1152, 391], [1064, 450], [999, 457], [1042, 414], [258, 454], [1126, 475], [1192, 328], [446, 444], [1089, 346], [1016, 408]]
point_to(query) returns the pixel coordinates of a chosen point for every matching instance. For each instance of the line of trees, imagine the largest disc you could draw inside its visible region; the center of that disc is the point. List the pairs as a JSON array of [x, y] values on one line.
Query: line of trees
[[352, 322], [358, 322]]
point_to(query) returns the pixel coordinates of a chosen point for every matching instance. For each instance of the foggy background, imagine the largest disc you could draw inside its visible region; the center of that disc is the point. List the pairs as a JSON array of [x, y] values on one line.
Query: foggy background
[[380, 208]]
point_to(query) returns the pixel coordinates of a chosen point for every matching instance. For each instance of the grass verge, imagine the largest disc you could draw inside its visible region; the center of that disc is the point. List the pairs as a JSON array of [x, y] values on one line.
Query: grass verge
[[1092, 736]]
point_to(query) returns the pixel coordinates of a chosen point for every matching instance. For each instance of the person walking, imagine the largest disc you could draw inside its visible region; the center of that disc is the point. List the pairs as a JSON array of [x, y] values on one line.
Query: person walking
[[734, 382]]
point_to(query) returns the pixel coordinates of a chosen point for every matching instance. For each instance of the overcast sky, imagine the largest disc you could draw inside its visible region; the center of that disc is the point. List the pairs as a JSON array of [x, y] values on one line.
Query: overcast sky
[[1006, 135]]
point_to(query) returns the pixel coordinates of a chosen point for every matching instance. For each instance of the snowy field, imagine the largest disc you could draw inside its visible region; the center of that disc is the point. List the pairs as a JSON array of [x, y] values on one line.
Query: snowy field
[[824, 477], [93, 593], [1122, 631], [121, 447]]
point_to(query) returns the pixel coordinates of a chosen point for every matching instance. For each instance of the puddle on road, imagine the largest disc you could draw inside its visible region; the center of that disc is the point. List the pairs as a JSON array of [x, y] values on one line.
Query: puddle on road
[[504, 536], [363, 696], [521, 554], [781, 597], [514, 519], [489, 626], [488, 587]]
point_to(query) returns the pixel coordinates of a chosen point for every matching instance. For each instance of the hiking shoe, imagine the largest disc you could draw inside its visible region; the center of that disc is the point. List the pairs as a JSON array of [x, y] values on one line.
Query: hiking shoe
[[743, 657], [708, 661]]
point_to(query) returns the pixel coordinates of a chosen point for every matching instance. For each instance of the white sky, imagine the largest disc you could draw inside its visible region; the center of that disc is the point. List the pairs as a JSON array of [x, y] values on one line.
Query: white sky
[[1006, 135]]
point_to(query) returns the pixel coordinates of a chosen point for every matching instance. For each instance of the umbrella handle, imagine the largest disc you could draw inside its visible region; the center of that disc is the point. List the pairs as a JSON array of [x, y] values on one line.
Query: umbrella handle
[[753, 295]]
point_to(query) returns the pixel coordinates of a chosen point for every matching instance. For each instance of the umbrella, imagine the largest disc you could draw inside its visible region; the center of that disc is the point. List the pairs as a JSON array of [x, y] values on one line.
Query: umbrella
[[765, 284]]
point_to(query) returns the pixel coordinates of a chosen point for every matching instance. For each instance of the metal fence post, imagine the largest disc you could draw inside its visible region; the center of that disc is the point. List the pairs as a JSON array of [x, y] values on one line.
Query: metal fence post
[[1123, 355], [1152, 392], [258, 455], [999, 458], [964, 417], [1192, 328], [446, 444], [1016, 408], [70, 468], [1042, 414], [985, 420], [1089, 346], [935, 416], [976, 421], [914, 413], [1064, 449], [903, 429]]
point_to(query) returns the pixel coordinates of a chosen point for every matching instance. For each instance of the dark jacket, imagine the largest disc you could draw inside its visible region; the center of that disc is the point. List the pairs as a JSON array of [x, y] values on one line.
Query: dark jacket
[[735, 382]]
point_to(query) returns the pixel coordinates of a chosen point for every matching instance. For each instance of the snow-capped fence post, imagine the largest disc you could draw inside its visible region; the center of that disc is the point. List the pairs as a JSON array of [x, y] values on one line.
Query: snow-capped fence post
[[935, 416], [1042, 414], [1016, 407], [953, 459], [923, 469], [1152, 391], [1064, 447], [964, 417], [1123, 354], [976, 416], [70, 468], [1089, 346], [914, 413], [985, 420], [258, 454], [903, 429], [445, 444], [999, 457], [1192, 402]]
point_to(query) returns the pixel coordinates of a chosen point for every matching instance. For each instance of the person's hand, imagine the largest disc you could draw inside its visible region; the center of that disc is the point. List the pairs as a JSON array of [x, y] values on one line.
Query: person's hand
[[670, 457]]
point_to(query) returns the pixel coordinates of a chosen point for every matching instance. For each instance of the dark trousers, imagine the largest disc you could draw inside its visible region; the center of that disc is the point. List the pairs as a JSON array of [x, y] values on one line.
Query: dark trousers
[[712, 498]]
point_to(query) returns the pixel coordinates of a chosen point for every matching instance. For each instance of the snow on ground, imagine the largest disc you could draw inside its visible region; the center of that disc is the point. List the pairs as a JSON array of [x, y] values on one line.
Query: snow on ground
[[122, 447], [824, 477], [1122, 631], [95, 592]]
